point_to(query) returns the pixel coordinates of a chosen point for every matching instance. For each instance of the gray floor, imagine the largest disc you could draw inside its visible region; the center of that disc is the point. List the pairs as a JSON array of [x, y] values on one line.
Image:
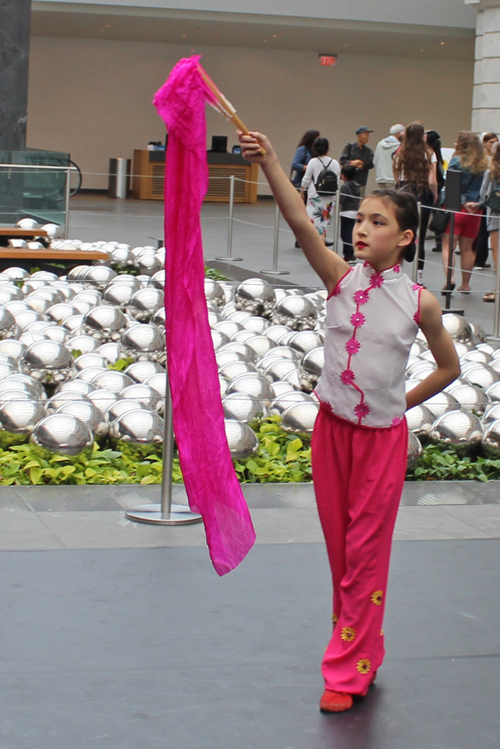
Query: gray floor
[[140, 648], [140, 222]]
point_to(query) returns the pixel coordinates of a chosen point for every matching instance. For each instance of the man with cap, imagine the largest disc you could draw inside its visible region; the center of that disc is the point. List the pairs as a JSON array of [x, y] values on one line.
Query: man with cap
[[360, 156], [384, 154]]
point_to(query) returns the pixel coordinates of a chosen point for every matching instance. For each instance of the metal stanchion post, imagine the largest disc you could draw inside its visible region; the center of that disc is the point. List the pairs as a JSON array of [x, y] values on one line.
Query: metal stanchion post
[[453, 202], [414, 273], [336, 222], [165, 513], [66, 204], [230, 226], [275, 271], [449, 272]]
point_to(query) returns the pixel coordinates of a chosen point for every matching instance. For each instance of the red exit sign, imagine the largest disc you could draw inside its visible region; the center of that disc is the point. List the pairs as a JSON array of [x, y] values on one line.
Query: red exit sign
[[328, 60]]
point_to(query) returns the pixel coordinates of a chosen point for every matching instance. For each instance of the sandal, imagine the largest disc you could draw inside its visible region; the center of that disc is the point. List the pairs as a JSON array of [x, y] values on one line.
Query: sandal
[[489, 296], [447, 289], [463, 291], [335, 702]]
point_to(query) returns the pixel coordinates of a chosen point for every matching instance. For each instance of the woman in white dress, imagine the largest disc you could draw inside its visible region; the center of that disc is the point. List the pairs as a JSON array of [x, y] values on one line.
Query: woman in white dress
[[319, 206]]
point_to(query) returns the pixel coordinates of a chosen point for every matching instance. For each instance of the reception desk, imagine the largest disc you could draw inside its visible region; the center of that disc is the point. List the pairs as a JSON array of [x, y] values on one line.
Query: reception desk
[[149, 175]]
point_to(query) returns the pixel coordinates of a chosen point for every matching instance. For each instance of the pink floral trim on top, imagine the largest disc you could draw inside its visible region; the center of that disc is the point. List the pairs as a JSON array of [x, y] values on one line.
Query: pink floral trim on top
[[337, 288], [417, 287], [376, 279], [347, 377], [358, 319], [361, 297], [352, 346]]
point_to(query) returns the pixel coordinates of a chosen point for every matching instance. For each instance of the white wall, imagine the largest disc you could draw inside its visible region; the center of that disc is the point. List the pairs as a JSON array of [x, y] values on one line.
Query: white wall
[[93, 97], [428, 12]]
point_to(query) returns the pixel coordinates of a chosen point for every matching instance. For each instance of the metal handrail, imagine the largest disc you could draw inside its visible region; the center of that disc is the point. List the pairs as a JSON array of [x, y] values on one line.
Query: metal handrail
[[39, 166]]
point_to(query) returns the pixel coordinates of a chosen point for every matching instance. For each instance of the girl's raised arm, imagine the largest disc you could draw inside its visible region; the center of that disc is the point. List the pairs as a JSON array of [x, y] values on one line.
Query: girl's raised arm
[[443, 350], [327, 264]]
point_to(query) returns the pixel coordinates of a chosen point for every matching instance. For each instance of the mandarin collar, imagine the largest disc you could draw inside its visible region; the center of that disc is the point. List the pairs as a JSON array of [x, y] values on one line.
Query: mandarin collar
[[393, 273]]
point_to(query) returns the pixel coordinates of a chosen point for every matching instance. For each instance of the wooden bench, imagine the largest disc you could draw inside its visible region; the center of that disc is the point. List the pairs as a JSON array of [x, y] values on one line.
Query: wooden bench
[[44, 258]]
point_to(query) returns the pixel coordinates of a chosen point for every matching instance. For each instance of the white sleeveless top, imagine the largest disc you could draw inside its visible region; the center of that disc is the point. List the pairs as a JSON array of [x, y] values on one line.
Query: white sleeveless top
[[372, 320]]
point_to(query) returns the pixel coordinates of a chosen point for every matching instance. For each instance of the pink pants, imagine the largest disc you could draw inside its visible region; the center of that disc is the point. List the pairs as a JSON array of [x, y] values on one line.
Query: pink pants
[[358, 479]]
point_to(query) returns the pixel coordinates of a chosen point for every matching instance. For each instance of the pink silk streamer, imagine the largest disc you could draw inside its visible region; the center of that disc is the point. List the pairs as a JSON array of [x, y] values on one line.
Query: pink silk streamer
[[211, 483]]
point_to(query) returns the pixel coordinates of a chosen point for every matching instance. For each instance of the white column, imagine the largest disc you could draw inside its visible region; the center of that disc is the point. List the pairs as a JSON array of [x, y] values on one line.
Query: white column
[[486, 98]]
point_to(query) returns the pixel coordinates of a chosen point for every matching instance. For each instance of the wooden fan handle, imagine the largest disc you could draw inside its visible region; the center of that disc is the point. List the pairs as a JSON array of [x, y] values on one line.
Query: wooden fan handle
[[241, 126], [232, 115]]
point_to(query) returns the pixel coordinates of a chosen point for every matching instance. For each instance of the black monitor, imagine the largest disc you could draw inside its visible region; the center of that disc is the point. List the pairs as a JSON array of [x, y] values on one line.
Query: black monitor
[[219, 144]]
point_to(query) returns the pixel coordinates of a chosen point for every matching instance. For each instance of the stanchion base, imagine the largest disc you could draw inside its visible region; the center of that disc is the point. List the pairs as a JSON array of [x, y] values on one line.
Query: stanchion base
[[230, 259], [276, 272], [453, 311], [152, 514]]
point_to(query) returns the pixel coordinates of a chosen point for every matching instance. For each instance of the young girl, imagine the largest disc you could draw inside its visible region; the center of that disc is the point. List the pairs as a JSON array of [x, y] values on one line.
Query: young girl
[[360, 437]]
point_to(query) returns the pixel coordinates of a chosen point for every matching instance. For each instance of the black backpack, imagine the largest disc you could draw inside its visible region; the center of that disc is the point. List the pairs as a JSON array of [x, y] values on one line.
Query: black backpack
[[327, 182]]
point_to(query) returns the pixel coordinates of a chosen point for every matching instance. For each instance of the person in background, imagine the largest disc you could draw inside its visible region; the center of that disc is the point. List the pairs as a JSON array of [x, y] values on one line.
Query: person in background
[[319, 207], [415, 171], [489, 141], [360, 156], [350, 199], [470, 159], [303, 156], [434, 142], [384, 154], [491, 181], [480, 246]]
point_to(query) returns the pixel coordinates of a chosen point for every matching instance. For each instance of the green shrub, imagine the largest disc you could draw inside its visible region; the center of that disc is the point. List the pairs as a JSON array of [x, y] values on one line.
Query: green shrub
[[281, 457]]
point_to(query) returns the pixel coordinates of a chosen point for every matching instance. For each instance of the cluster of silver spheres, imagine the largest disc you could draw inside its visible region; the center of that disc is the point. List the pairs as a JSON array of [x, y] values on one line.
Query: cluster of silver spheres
[[59, 335], [58, 338], [269, 348], [465, 417]]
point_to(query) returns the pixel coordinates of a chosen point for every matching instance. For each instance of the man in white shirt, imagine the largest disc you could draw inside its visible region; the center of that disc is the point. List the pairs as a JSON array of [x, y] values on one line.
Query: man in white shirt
[[384, 153]]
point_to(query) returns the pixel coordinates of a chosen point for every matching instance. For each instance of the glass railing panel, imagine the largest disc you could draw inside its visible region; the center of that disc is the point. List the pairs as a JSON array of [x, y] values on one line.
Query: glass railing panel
[[37, 193]]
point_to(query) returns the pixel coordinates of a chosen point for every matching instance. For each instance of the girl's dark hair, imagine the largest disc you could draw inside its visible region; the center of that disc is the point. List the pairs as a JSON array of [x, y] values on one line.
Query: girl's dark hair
[[406, 211], [434, 141], [489, 136], [412, 162], [320, 147], [349, 171], [308, 139]]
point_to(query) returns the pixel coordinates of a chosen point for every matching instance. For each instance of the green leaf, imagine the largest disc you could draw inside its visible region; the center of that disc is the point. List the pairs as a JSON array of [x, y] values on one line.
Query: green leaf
[[35, 475], [121, 364]]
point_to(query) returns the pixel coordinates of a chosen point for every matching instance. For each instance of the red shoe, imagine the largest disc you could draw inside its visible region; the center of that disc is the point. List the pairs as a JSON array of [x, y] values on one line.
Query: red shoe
[[374, 676], [335, 702]]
